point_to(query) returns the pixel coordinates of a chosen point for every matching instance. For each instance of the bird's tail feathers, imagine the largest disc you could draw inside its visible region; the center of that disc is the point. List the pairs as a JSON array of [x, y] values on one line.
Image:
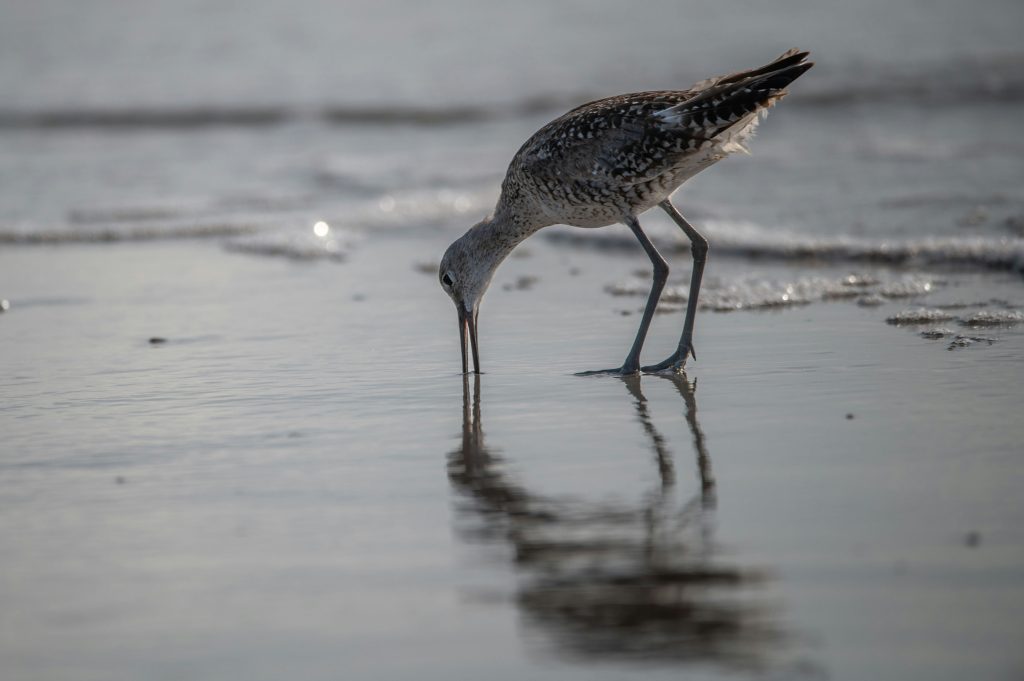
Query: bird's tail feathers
[[790, 57], [727, 100]]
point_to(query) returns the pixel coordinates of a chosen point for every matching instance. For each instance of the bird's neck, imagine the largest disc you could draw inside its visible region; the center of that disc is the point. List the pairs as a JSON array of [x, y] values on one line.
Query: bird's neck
[[497, 236]]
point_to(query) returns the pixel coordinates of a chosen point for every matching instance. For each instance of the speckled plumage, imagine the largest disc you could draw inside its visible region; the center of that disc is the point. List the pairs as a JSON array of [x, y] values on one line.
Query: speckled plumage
[[610, 160], [623, 155]]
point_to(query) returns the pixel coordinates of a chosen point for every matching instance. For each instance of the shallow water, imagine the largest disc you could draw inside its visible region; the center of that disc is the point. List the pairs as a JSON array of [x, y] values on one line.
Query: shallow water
[[233, 447], [279, 489], [904, 138]]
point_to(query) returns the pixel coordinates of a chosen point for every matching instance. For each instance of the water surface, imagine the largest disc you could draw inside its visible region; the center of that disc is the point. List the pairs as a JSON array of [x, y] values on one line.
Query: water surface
[[294, 480]]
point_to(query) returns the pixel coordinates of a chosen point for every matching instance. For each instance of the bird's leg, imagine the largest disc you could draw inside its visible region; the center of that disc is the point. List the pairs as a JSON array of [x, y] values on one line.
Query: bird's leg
[[699, 248], [632, 363]]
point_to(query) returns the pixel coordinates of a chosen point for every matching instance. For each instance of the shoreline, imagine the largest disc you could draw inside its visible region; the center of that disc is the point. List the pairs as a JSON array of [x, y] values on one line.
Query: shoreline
[[295, 437]]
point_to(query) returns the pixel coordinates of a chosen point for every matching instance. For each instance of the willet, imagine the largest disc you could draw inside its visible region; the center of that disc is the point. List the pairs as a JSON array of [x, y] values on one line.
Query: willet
[[607, 162]]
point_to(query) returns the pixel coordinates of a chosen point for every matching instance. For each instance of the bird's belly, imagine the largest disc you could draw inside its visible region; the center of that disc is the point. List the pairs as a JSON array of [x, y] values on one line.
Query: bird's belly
[[614, 210], [582, 207], [645, 195], [591, 216], [601, 204]]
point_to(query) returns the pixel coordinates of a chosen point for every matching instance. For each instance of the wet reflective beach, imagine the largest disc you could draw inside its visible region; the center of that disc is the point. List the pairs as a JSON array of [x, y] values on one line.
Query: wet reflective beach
[[276, 489], [615, 581], [234, 440]]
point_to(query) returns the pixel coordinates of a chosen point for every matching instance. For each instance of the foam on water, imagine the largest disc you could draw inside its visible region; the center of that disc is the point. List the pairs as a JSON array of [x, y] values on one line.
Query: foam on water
[[296, 239], [186, 208], [754, 293], [271, 224], [177, 218], [921, 315], [417, 208], [443, 207], [751, 240], [299, 243], [26, 232], [930, 317], [957, 341], [908, 287], [994, 318]]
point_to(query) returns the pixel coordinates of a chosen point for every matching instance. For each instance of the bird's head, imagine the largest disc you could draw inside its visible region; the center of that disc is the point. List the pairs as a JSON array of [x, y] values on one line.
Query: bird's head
[[465, 274]]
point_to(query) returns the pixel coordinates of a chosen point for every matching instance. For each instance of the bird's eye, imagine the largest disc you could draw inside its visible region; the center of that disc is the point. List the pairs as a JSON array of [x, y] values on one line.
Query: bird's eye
[[447, 279]]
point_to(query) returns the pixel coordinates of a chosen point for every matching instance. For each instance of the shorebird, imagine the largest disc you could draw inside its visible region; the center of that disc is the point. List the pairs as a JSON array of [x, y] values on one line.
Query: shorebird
[[607, 162]]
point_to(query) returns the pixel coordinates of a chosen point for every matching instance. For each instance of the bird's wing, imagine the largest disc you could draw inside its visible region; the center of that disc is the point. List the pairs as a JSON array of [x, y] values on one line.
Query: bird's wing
[[632, 138], [590, 142]]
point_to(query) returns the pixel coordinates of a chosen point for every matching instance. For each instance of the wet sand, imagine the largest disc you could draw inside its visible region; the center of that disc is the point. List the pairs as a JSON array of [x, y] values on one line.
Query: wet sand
[[299, 483], [232, 448]]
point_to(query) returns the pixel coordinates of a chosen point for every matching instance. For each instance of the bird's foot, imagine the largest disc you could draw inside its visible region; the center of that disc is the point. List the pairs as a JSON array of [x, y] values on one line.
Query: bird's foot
[[624, 370], [669, 366], [673, 365]]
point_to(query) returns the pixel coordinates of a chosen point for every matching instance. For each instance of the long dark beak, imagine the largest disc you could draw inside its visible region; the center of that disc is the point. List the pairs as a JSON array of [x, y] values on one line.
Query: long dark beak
[[467, 324]]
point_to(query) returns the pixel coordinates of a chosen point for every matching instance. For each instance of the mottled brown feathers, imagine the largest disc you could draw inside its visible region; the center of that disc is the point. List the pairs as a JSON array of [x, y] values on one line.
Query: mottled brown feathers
[[617, 155]]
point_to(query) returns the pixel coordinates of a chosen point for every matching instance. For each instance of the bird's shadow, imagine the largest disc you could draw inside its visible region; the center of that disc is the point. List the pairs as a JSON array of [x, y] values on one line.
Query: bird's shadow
[[638, 582]]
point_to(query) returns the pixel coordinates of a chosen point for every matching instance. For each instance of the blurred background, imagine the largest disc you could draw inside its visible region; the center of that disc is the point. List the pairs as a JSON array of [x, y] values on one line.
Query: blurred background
[[138, 120]]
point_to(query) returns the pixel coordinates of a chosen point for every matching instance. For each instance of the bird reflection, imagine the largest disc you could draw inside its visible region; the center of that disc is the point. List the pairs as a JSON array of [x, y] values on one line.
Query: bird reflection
[[640, 582]]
